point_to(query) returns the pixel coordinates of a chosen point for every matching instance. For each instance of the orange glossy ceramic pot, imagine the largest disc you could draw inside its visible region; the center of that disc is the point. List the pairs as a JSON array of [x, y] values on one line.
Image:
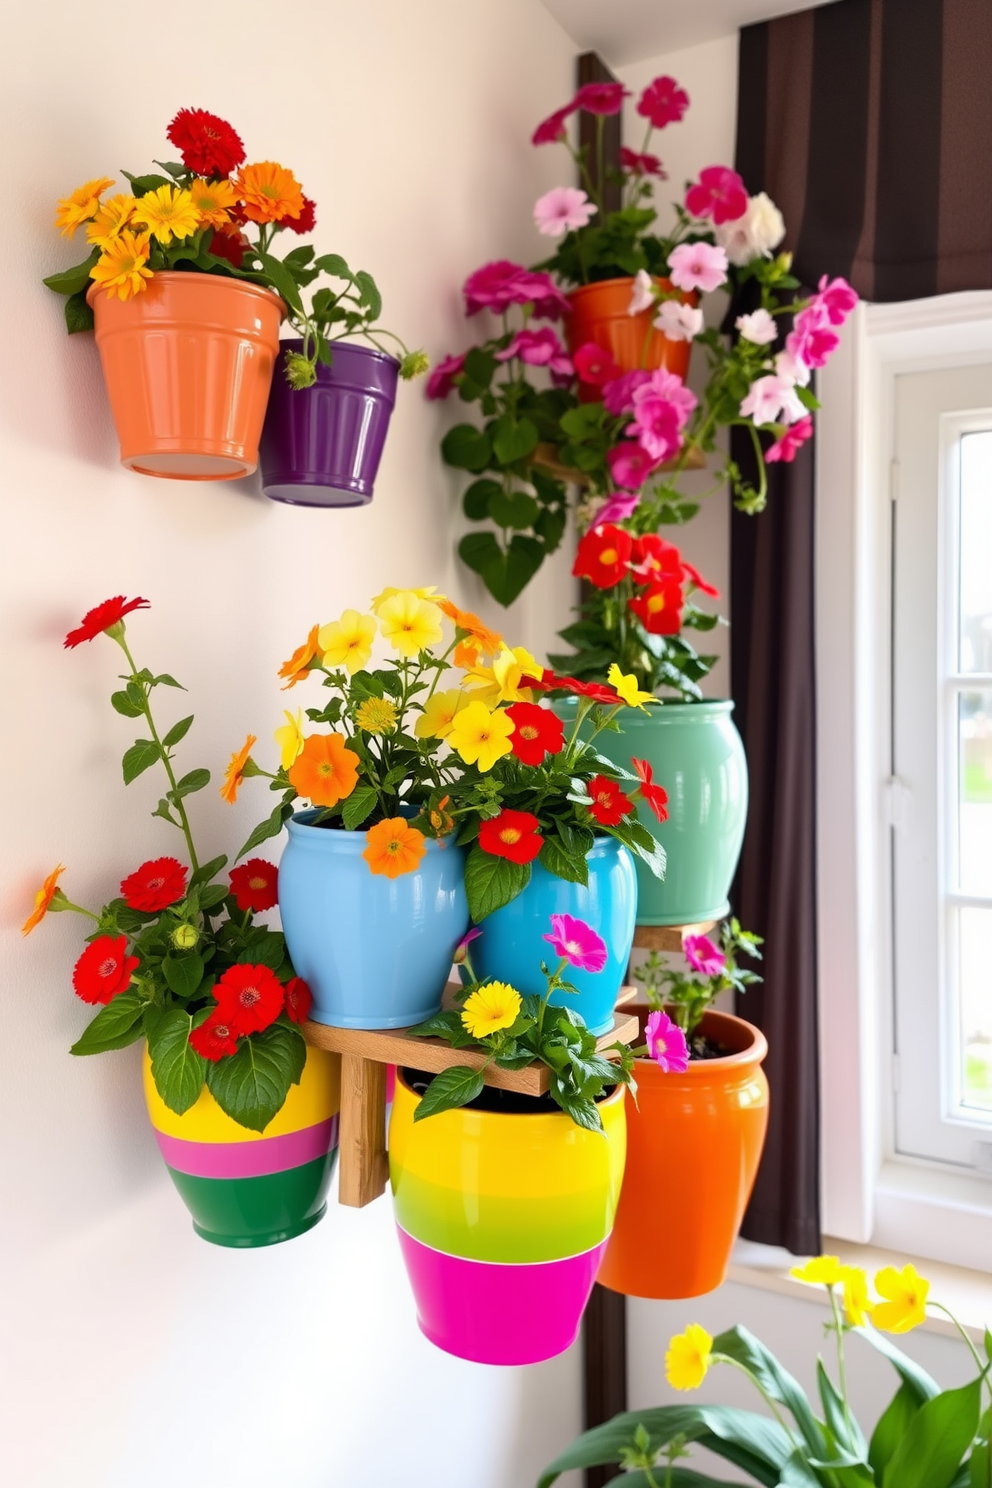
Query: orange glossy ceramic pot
[[188, 366], [599, 313], [694, 1142]]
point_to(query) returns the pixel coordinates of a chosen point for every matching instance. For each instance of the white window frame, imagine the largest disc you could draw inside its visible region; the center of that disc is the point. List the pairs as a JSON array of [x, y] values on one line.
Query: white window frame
[[870, 1194]]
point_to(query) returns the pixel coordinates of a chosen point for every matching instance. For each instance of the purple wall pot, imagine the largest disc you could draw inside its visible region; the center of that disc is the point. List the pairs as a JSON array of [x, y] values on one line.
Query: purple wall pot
[[321, 445]]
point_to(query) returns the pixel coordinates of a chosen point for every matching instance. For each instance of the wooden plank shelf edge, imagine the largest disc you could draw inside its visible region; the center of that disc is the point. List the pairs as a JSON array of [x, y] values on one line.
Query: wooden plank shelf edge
[[668, 937]]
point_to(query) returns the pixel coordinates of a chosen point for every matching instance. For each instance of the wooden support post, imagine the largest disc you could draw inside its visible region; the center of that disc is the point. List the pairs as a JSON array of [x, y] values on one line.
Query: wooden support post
[[364, 1165], [604, 1354]]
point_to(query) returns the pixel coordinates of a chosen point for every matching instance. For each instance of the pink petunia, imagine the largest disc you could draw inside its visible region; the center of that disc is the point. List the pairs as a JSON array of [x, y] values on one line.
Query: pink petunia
[[697, 266], [641, 164], [594, 365], [540, 348], [666, 1044], [498, 285], [618, 395], [678, 322], [577, 942], [630, 466], [552, 130], [771, 399], [621, 505], [665, 384], [811, 339], [837, 298], [791, 442], [719, 193], [703, 956], [442, 378], [600, 98], [656, 425], [562, 210], [662, 102]]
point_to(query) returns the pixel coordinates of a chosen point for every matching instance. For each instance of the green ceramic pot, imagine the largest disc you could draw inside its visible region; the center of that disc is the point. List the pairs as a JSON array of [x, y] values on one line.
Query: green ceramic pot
[[697, 755]]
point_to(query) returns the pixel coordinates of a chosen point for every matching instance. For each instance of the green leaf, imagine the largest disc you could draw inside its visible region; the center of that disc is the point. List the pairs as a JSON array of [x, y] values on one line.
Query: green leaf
[[75, 280], [333, 264], [988, 1344], [283, 281], [466, 447], [165, 680], [266, 948], [491, 882], [842, 1424], [115, 1026], [177, 731], [142, 754], [980, 1466], [78, 314], [369, 294], [570, 866], [194, 781], [680, 1477], [183, 973], [140, 185], [741, 1344], [513, 509], [271, 827], [478, 496], [441, 1025], [452, 1087], [513, 439], [177, 1069], [937, 1438], [505, 574], [922, 1385], [207, 871], [358, 806], [252, 1084], [891, 1427], [124, 703], [582, 1111]]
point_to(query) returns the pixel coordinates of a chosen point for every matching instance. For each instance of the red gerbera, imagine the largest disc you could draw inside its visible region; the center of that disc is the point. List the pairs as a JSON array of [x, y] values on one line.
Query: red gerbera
[[104, 969], [97, 620], [155, 885], [536, 732], [298, 1000], [609, 804], [603, 556], [307, 220], [250, 998], [254, 885], [208, 145], [549, 681], [659, 607], [513, 835], [215, 1038], [655, 795], [652, 557]]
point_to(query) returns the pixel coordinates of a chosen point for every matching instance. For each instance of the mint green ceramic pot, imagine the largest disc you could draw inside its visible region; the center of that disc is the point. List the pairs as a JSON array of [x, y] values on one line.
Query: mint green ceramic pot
[[697, 755]]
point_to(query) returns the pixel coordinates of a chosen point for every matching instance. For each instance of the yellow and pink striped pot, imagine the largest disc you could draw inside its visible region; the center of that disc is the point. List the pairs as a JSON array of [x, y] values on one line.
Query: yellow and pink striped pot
[[246, 1188], [503, 1220]]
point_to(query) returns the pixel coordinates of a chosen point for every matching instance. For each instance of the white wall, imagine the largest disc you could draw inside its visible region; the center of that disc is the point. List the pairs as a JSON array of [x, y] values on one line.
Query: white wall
[[137, 1356]]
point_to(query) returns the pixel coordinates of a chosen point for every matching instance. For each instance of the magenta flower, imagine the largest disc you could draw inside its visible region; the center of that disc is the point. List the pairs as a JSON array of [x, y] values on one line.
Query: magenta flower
[[618, 507], [618, 394], [551, 131], [791, 441], [594, 365], [666, 1044], [577, 942], [664, 384], [663, 102], [703, 956], [837, 298], [562, 210], [636, 164], [442, 378], [719, 193], [697, 266], [630, 466], [461, 949], [600, 98], [498, 285], [811, 338], [656, 425], [539, 348]]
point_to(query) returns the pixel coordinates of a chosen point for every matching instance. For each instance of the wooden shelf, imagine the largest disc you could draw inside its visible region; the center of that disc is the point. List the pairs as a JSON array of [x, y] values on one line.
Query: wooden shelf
[[668, 937]]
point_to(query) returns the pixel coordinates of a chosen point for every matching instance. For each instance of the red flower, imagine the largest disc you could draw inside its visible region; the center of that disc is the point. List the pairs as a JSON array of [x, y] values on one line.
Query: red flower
[[298, 1000], [104, 969], [652, 558], [208, 145], [97, 620], [552, 129], [719, 193], [229, 245], [594, 365], [694, 577], [609, 804], [250, 997], [603, 556], [254, 885], [655, 795], [663, 102], [659, 608], [214, 1038], [549, 681], [513, 835], [536, 732], [641, 165], [600, 98], [307, 220], [155, 885]]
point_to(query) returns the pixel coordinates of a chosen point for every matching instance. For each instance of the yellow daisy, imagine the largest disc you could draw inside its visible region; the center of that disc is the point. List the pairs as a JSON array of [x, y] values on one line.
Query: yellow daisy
[[168, 212], [491, 1008], [81, 205], [376, 715], [213, 200], [122, 268], [112, 217]]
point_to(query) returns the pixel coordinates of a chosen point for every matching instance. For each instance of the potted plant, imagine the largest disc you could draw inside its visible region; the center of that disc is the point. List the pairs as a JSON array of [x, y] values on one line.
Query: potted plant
[[244, 1113], [711, 1108], [926, 1438]]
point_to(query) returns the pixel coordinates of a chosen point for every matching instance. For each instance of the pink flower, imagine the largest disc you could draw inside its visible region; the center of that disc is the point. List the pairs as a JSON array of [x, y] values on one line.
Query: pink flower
[[442, 378], [577, 942], [630, 466], [768, 398], [667, 385], [539, 348], [552, 129], [617, 508], [642, 294], [703, 956], [791, 441], [791, 368], [666, 1044], [498, 285], [561, 210], [594, 365], [759, 327], [618, 395], [662, 102], [719, 193], [837, 298], [697, 266], [460, 955], [636, 164], [600, 98], [656, 425], [678, 322], [811, 339]]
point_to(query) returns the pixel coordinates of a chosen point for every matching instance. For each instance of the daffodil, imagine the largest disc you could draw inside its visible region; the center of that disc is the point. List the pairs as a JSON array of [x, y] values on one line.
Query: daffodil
[[857, 1305], [122, 267], [502, 682], [290, 738], [409, 623], [825, 1270], [627, 688], [479, 736], [168, 212], [81, 205], [491, 1008], [905, 1299], [111, 219], [439, 714], [348, 642], [688, 1358]]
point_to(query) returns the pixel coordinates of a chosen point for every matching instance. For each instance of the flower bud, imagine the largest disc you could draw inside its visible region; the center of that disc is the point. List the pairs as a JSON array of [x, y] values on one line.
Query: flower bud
[[414, 364], [184, 937], [300, 371]]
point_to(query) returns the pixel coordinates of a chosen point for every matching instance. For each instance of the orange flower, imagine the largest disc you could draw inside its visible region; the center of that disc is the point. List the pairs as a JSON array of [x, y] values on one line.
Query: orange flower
[[236, 770], [269, 192], [213, 200], [394, 847], [486, 640], [43, 899], [326, 770], [298, 665]]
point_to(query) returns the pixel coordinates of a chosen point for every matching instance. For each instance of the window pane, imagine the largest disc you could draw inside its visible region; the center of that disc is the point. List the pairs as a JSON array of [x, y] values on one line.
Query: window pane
[[975, 645], [975, 987], [975, 792]]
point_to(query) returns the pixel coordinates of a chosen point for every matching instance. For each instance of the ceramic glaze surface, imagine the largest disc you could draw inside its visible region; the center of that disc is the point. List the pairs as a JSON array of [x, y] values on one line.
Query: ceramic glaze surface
[[599, 314], [375, 951], [511, 946]]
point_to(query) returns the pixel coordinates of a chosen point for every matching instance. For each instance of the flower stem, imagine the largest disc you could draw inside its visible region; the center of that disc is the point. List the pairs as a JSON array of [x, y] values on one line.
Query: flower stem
[[177, 799]]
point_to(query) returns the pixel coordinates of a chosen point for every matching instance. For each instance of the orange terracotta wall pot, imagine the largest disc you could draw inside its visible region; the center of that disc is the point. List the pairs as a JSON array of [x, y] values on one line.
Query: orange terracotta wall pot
[[599, 313], [694, 1142], [188, 366]]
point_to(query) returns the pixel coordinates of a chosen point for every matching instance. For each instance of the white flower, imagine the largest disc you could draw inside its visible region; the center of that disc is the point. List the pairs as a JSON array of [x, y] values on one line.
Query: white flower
[[759, 327], [678, 322], [643, 295], [771, 400], [754, 235], [791, 368]]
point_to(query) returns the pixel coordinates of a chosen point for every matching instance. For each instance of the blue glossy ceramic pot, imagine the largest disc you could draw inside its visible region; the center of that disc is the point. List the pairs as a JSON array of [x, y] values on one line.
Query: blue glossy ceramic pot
[[511, 946], [375, 952]]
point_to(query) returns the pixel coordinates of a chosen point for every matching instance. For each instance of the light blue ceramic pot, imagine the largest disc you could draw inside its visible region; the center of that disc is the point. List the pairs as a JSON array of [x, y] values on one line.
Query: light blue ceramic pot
[[511, 947], [374, 951]]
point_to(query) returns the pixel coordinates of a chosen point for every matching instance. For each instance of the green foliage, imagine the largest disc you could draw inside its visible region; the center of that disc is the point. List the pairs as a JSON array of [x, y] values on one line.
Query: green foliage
[[491, 882], [686, 994], [252, 1084]]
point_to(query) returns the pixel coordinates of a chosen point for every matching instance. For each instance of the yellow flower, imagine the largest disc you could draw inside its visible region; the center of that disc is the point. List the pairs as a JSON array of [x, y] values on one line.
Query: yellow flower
[[43, 899], [290, 738], [688, 1358], [213, 200], [480, 737], [113, 216], [235, 772], [81, 205], [491, 1008], [348, 642], [298, 665], [439, 714], [821, 1271], [168, 212], [429, 593], [394, 847], [905, 1304], [500, 683], [123, 265], [269, 191], [409, 623], [376, 715], [627, 688], [857, 1305]]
